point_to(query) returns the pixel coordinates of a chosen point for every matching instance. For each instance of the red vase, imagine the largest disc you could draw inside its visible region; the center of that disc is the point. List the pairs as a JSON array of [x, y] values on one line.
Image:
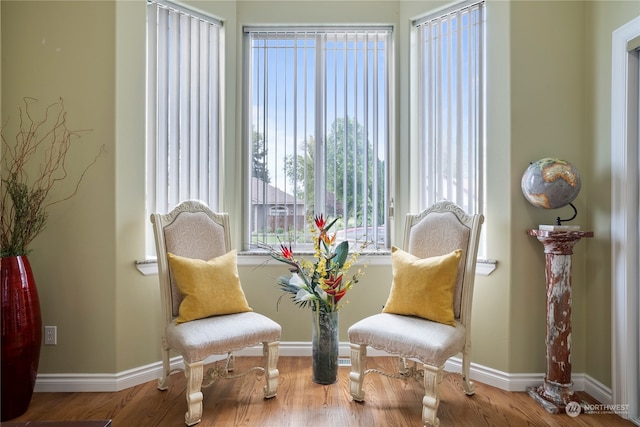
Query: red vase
[[21, 335]]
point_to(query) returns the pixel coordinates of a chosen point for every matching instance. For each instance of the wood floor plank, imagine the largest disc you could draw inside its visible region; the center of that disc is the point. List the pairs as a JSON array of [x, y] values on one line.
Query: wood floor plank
[[302, 403]]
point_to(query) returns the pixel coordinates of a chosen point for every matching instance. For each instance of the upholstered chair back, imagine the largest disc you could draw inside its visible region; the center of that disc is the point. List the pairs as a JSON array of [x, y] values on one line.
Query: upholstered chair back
[[439, 233], [191, 230], [194, 235]]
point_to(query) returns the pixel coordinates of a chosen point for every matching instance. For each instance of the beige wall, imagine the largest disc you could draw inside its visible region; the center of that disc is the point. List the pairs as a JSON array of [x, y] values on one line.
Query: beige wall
[[52, 50], [548, 95], [547, 119]]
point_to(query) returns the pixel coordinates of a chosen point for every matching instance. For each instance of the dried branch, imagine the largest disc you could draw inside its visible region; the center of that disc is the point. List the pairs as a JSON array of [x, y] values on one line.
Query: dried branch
[[24, 202]]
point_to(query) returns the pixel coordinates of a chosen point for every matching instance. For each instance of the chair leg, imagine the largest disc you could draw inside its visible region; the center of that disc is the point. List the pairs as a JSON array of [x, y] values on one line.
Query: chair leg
[[231, 362], [402, 365], [194, 374], [467, 385], [431, 399], [271, 352], [163, 381], [356, 377]]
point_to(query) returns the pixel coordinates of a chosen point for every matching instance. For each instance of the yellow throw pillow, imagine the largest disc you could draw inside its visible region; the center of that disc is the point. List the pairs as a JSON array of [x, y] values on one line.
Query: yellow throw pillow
[[209, 288], [423, 287]]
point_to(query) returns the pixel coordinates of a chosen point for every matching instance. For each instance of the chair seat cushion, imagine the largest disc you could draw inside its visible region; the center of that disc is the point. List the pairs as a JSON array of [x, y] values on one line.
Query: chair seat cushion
[[198, 339], [430, 342]]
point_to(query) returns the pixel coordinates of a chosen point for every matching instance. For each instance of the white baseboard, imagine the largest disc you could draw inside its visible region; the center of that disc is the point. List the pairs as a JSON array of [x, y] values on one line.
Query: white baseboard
[[132, 377], [520, 382]]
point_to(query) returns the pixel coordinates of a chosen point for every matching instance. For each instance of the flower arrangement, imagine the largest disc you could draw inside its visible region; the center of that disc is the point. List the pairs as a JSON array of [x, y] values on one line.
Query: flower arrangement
[[321, 283]]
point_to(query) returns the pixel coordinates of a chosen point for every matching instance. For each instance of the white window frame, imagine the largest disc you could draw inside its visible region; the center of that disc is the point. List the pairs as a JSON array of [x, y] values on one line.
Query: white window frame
[[184, 115], [625, 223], [319, 129]]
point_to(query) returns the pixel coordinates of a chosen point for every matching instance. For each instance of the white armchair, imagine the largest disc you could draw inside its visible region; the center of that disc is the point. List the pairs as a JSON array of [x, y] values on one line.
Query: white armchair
[[204, 310], [441, 247]]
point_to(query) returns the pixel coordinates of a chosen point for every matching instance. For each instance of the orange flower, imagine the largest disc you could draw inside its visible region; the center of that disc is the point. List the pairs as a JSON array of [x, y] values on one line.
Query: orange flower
[[338, 295], [328, 240], [333, 283]]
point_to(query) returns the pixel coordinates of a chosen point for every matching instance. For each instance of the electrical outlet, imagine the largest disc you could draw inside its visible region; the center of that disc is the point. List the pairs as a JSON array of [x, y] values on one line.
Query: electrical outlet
[[50, 335]]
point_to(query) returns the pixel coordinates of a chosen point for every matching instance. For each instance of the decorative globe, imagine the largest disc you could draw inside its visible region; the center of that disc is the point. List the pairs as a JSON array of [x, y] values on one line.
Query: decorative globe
[[551, 183]]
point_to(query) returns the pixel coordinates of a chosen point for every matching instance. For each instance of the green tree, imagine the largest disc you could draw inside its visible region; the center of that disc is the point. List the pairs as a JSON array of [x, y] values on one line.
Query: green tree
[[349, 165], [299, 169], [259, 158]]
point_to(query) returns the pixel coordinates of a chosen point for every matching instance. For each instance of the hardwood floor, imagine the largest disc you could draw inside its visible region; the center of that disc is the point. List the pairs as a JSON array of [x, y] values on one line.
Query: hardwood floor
[[302, 403]]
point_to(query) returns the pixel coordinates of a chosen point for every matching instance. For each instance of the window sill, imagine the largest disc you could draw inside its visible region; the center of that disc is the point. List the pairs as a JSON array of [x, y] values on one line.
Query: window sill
[[258, 258], [147, 267], [484, 267]]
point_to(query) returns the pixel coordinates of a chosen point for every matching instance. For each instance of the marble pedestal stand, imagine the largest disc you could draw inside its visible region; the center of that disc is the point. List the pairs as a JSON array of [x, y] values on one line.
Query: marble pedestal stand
[[557, 388]]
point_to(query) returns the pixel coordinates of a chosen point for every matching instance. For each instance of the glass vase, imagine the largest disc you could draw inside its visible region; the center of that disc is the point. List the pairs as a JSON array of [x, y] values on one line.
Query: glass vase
[[324, 340]]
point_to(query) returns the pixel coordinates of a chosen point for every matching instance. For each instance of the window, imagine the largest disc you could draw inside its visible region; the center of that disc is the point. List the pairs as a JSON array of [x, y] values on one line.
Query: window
[[317, 130], [451, 107], [183, 107]]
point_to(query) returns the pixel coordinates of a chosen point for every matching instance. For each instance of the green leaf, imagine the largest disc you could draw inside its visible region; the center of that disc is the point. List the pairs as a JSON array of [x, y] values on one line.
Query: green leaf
[[327, 227], [342, 251]]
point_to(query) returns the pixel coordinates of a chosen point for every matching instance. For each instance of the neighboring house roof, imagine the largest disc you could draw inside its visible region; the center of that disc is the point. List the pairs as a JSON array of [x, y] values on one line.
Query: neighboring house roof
[[266, 194]]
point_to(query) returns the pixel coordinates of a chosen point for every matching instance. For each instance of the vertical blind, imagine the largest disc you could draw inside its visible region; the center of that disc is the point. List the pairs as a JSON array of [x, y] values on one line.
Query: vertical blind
[[319, 126], [184, 93], [451, 52]]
